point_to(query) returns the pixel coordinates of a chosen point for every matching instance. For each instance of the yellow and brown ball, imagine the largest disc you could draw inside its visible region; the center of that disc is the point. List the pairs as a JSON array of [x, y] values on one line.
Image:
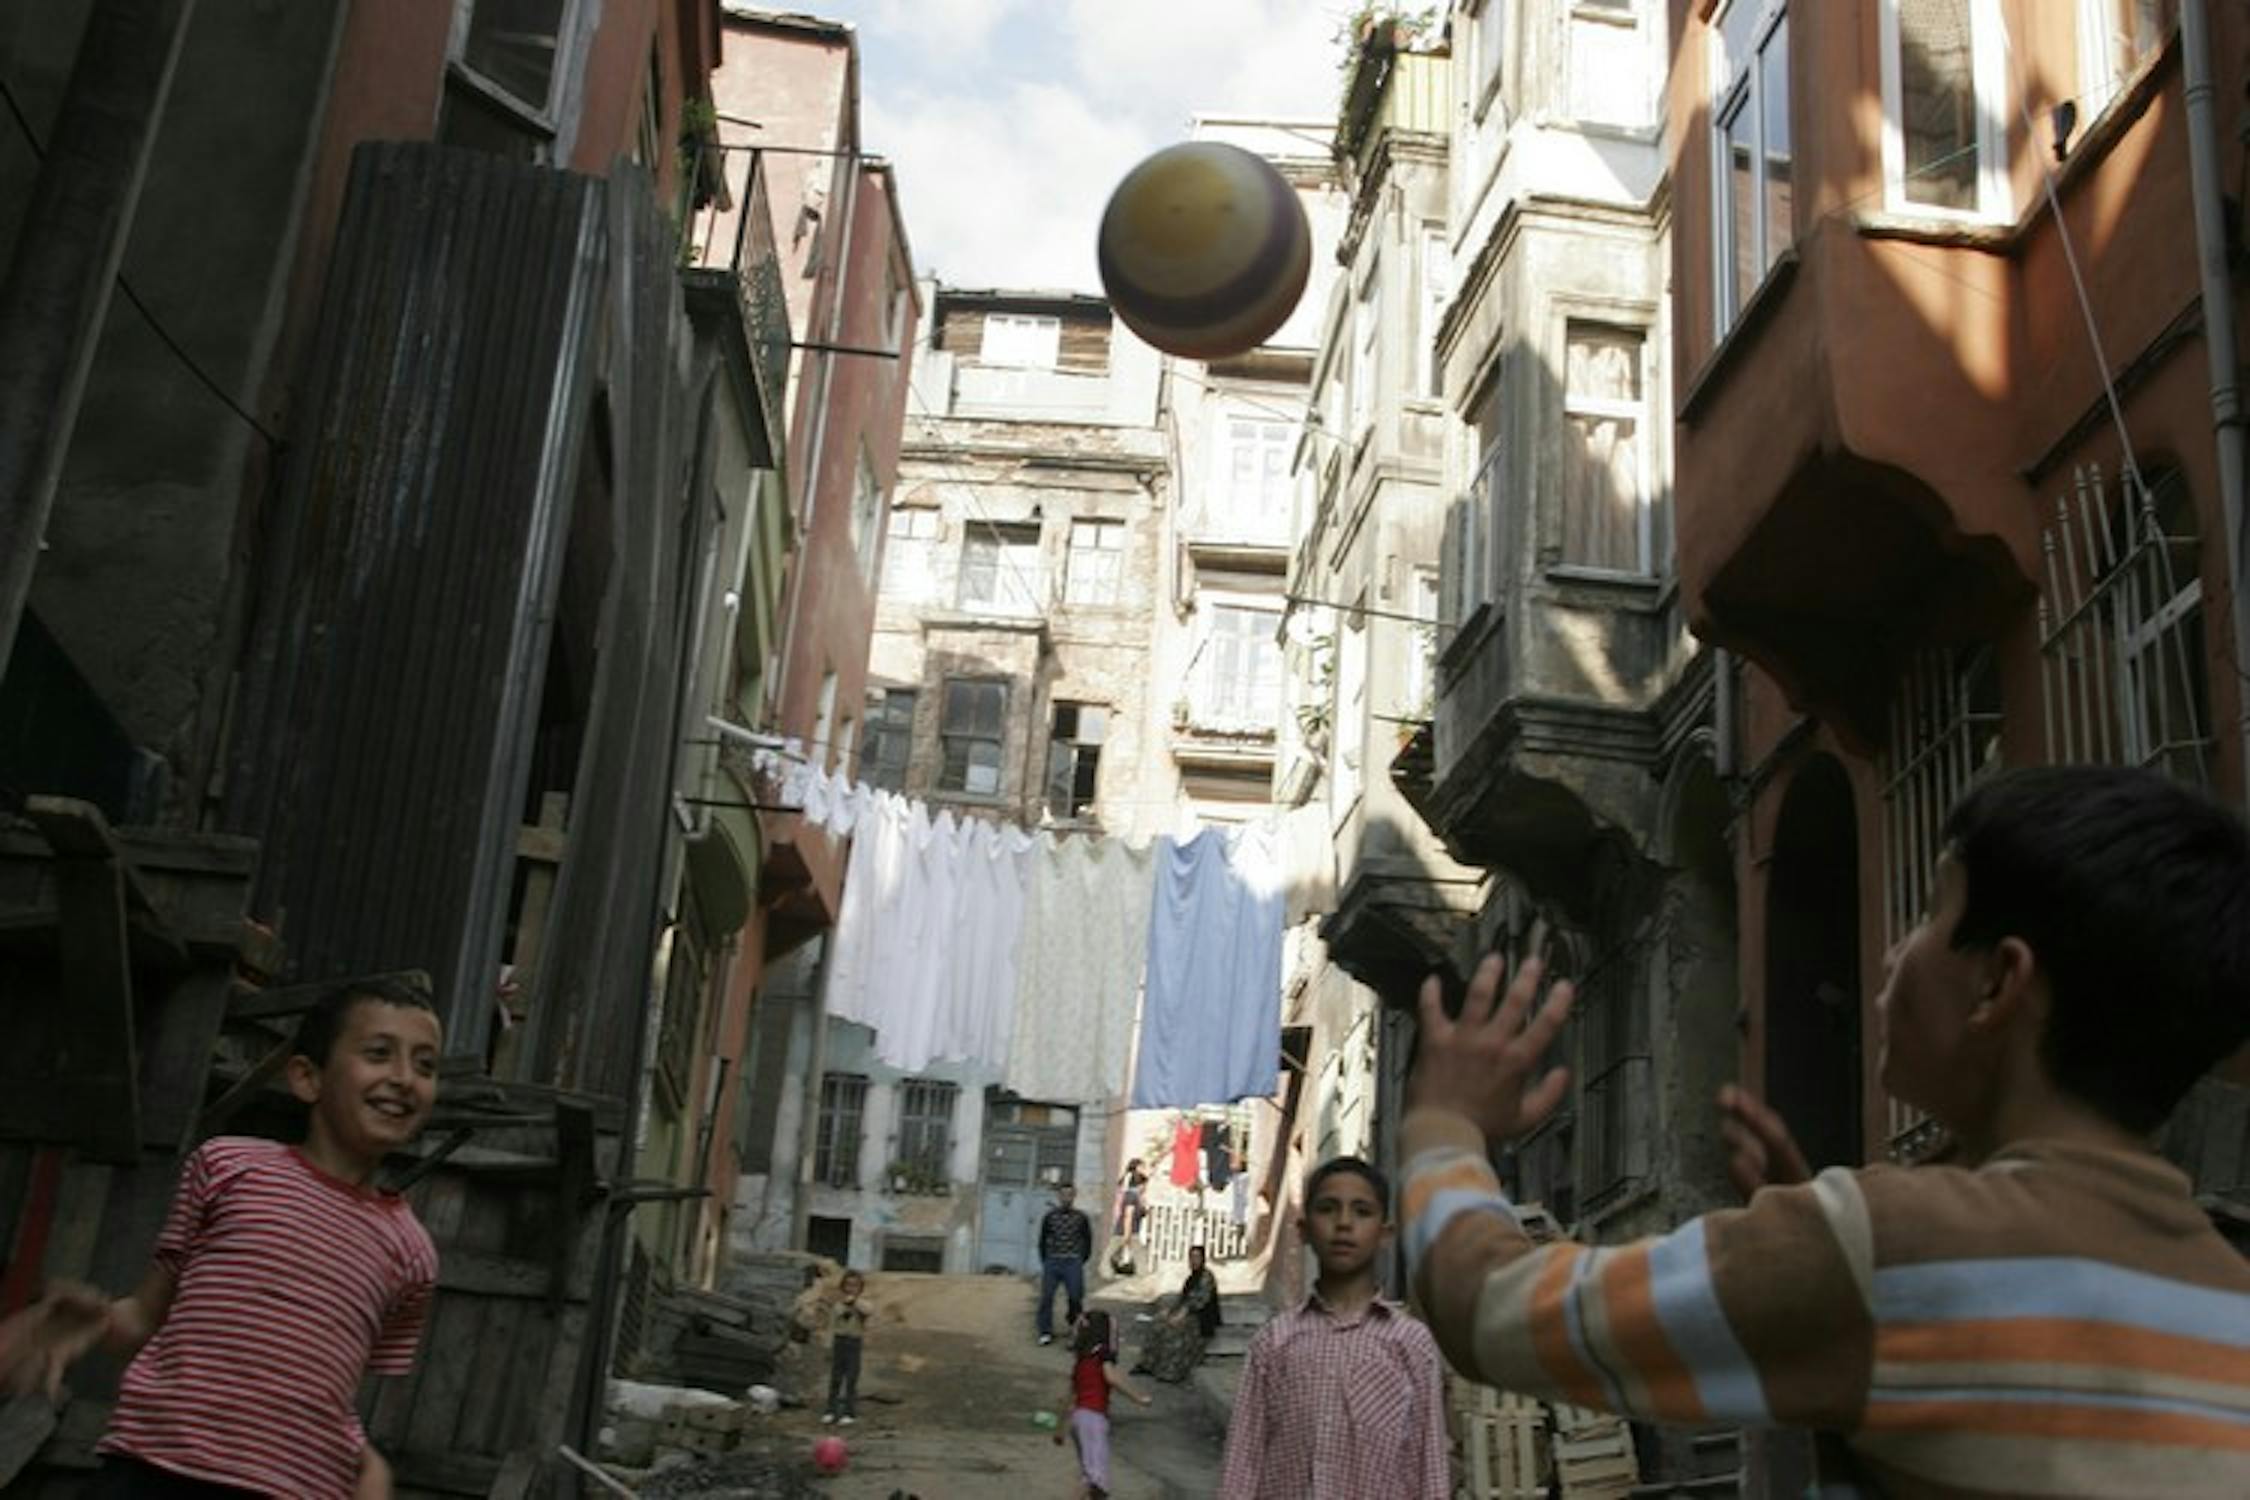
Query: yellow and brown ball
[[1204, 250]]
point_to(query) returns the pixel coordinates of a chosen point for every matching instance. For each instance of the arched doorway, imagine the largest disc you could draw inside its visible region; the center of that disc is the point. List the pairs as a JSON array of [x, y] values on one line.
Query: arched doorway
[[1812, 1009]]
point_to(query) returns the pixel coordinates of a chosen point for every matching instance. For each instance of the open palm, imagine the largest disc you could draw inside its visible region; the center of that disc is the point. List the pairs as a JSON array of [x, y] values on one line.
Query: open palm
[[1487, 1065]]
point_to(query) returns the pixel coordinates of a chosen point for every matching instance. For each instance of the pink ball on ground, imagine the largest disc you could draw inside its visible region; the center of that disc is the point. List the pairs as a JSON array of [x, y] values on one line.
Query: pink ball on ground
[[829, 1455]]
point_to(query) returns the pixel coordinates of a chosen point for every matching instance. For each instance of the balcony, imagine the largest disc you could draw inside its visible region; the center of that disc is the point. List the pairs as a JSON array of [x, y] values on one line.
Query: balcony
[[726, 241], [1028, 394]]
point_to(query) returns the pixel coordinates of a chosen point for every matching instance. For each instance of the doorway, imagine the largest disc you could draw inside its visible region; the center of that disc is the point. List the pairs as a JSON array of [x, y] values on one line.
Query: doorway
[[1812, 1009]]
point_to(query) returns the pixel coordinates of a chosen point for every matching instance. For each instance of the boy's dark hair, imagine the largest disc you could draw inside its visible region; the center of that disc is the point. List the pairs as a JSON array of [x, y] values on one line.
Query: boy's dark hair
[[317, 1032], [1337, 1166], [2134, 894], [1094, 1334]]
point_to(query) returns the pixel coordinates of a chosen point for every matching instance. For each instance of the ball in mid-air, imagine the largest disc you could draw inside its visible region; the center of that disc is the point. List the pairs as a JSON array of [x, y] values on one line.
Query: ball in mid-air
[[1204, 250], [829, 1455]]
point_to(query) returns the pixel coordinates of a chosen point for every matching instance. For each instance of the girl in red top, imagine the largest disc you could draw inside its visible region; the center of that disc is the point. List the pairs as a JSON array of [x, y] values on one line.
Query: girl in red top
[[1093, 1375]]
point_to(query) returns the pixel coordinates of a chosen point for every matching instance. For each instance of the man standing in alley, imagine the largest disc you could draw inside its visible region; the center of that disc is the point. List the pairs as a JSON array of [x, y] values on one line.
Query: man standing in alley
[[1066, 1243]]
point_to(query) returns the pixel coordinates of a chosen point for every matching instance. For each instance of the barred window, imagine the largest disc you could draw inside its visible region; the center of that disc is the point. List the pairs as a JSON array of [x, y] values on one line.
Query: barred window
[[1944, 738], [925, 1131], [843, 1111]]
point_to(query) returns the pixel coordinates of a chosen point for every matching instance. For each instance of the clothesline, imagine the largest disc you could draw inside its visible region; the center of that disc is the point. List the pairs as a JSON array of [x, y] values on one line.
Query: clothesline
[[966, 939]]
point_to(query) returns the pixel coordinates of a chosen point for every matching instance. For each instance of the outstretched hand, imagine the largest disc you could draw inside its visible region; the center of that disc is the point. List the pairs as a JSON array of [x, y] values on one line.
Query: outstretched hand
[[1486, 1065], [38, 1344], [1760, 1150]]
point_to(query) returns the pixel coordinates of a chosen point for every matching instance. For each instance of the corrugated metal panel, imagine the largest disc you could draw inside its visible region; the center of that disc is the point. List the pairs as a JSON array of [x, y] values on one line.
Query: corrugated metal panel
[[411, 567], [1421, 96]]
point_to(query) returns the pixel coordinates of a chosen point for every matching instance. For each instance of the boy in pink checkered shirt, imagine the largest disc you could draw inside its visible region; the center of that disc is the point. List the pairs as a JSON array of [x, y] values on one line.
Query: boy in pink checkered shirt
[[1343, 1398]]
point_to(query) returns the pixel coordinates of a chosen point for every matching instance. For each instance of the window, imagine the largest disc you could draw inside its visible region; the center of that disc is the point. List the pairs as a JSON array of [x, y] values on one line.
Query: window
[[1366, 352], [1615, 1060], [908, 574], [847, 736], [867, 513], [1350, 736], [648, 143], [1606, 521], [2126, 675], [974, 727], [2114, 38], [1752, 203], [1944, 738], [1437, 286], [890, 740], [824, 725], [514, 45], [1475, 518], [1942, 92], [1257, 479], [925, 1133], [897, 297], [843, 1111], [1074, 758], [1609, 63], [1000, 569], [1028, 342], [1241, 677], [1491, 51], [1420, 678], [1097, 562]]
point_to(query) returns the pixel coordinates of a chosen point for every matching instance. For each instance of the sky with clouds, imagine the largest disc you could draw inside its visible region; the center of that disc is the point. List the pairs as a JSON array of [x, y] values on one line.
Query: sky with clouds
[[1009, 121]]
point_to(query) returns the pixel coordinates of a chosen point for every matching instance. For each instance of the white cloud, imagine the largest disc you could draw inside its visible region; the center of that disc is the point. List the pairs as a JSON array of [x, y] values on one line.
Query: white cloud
[[1011, 120]]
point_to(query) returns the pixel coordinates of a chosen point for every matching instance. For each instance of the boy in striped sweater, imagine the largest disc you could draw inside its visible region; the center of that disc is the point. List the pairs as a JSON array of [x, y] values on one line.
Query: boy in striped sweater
[[2057, 1317], [282, 1277]]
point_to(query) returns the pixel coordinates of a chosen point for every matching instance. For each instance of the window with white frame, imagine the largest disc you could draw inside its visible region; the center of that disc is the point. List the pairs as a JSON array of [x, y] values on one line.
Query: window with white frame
[[1240, 676], [1475, 519], [1437, 286], [897, 297], [1491, 51], [890, 740], [1257, 481], [1944, 89], [1944, 738], [1752, 204], [1367, 343], [1024, 340], [514, 47], [1074, 759], [1611, 80], [2125, 674], [1094, 572], [867, 516], [971, 735], [2114, 38], [1418, 683], [909, 574], [1606, 521], [1000, 569], [1350, 733]]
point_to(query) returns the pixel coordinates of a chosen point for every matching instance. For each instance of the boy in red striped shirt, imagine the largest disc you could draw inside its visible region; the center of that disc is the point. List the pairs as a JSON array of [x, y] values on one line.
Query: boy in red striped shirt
[[282, 1278]]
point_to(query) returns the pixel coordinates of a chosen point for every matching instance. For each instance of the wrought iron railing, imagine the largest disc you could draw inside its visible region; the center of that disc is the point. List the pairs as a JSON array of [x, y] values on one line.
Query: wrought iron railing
[[726, 224]]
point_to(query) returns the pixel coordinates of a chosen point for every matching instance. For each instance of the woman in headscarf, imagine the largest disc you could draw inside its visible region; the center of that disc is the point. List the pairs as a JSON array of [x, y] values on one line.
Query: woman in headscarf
[[1175, 1342]]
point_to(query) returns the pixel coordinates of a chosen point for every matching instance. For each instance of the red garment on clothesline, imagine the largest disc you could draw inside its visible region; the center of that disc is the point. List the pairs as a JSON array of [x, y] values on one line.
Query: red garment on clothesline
[[1187, 1147]]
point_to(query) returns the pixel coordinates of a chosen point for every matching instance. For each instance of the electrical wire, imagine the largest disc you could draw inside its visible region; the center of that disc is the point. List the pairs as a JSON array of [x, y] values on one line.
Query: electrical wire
[[125, 286]]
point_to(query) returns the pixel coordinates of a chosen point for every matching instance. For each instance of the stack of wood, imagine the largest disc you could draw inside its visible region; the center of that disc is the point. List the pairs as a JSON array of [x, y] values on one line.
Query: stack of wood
[[712, 1341], [1594, 1454], [1501, 1442], [703, 1430]]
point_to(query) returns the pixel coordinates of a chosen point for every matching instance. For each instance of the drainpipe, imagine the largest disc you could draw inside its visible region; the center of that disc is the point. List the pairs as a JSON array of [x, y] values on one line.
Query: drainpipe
[[1724, 713], [2218, 342]]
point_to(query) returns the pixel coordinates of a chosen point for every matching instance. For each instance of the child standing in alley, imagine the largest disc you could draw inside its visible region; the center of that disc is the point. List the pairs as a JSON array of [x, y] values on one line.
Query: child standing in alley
[[1093, 1375], [847, 1332], [282, 1277], [1343, 1397]]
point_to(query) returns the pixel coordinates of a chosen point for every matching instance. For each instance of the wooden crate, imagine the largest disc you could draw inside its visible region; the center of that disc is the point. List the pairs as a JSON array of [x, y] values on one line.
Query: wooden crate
[[1500, 1443], [1598, 1461]]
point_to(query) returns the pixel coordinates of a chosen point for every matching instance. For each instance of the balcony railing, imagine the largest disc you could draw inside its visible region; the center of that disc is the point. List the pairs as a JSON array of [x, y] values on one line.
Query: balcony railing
[[726, 224]]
